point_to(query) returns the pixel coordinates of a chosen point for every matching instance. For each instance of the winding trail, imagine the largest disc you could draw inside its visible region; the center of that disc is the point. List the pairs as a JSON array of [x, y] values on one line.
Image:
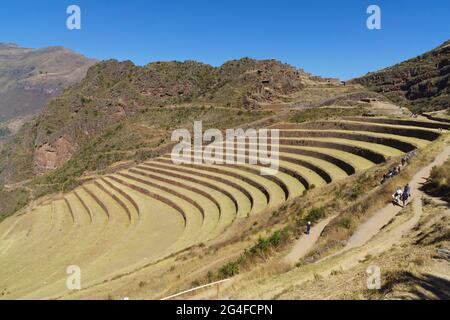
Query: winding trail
[[369, 239], [306, 242], [375, 223], [380, 218]]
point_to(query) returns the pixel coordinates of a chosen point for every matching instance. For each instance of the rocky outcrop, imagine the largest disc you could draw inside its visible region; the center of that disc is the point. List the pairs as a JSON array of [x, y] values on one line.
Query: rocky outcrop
[[421, 84], [50, 156]]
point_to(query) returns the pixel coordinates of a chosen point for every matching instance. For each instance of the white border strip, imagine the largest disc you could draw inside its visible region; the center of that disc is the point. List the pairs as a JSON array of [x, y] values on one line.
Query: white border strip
[[197, 288]]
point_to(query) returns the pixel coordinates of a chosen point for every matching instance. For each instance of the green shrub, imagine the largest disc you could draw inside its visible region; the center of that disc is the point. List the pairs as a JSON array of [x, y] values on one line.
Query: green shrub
[[279, 237], [439, 182], [315, 214], [346, 222], [261, 248], [359, 187], [85, 100], [229, 270], [338, 193], [4, 132]]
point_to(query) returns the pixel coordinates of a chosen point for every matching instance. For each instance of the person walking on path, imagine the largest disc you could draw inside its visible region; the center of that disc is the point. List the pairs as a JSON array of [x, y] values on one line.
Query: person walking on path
[[308, 227], [397, 196], [406, 194]]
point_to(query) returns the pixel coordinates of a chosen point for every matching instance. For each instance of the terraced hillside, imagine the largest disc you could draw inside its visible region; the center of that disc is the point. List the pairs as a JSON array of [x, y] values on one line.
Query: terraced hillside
[[121, 222], [421, 83]]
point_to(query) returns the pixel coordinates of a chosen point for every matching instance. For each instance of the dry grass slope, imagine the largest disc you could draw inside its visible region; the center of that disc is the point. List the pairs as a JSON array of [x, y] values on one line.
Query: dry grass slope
[[139, 218]]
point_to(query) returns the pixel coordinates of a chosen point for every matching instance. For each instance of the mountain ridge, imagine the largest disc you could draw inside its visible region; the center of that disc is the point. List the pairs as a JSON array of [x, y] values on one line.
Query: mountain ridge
[[421, 83], [29, 78]]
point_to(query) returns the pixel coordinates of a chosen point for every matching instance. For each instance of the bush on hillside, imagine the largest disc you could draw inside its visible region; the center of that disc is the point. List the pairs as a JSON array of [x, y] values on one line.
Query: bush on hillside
[[439, 182], [4, 132], [258, 251], [346, 222], [315, 214]]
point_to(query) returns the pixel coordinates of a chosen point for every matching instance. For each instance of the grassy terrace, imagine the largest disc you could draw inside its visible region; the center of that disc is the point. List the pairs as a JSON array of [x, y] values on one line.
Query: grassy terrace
[[403, 143], [348, 162], [219, 212], [132, 218], [209, 210], [242, 194], [326, 170], [400, 130], [402, 122], [273, 186]]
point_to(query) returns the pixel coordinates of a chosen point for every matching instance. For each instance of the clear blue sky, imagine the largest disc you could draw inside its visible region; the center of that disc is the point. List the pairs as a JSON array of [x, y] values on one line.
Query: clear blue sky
[[327, 38]]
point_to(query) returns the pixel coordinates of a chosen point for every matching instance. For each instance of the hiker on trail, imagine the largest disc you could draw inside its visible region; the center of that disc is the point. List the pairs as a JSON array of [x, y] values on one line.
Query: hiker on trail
[[308, 227], [397, 196], [390, 174], [403, 161], [406, 194]]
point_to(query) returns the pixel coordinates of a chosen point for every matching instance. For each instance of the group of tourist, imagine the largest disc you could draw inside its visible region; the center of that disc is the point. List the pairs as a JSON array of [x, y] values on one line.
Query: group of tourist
[[394, 171], [390, 174], [406, 159], [402, 195]]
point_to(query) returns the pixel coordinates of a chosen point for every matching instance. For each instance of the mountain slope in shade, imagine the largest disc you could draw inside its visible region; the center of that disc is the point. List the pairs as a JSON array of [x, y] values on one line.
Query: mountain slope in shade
[[421, 84], [29, 78]]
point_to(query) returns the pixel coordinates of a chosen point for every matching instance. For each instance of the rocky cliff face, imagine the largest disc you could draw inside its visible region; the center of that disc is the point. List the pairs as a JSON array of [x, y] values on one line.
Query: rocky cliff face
[[421, 84], [51, 156], [29, 78]]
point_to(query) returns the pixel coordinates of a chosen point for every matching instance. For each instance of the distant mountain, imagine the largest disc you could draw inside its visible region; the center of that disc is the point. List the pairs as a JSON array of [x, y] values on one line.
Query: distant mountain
[[238, 83], [421, 84], [29, 78]]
